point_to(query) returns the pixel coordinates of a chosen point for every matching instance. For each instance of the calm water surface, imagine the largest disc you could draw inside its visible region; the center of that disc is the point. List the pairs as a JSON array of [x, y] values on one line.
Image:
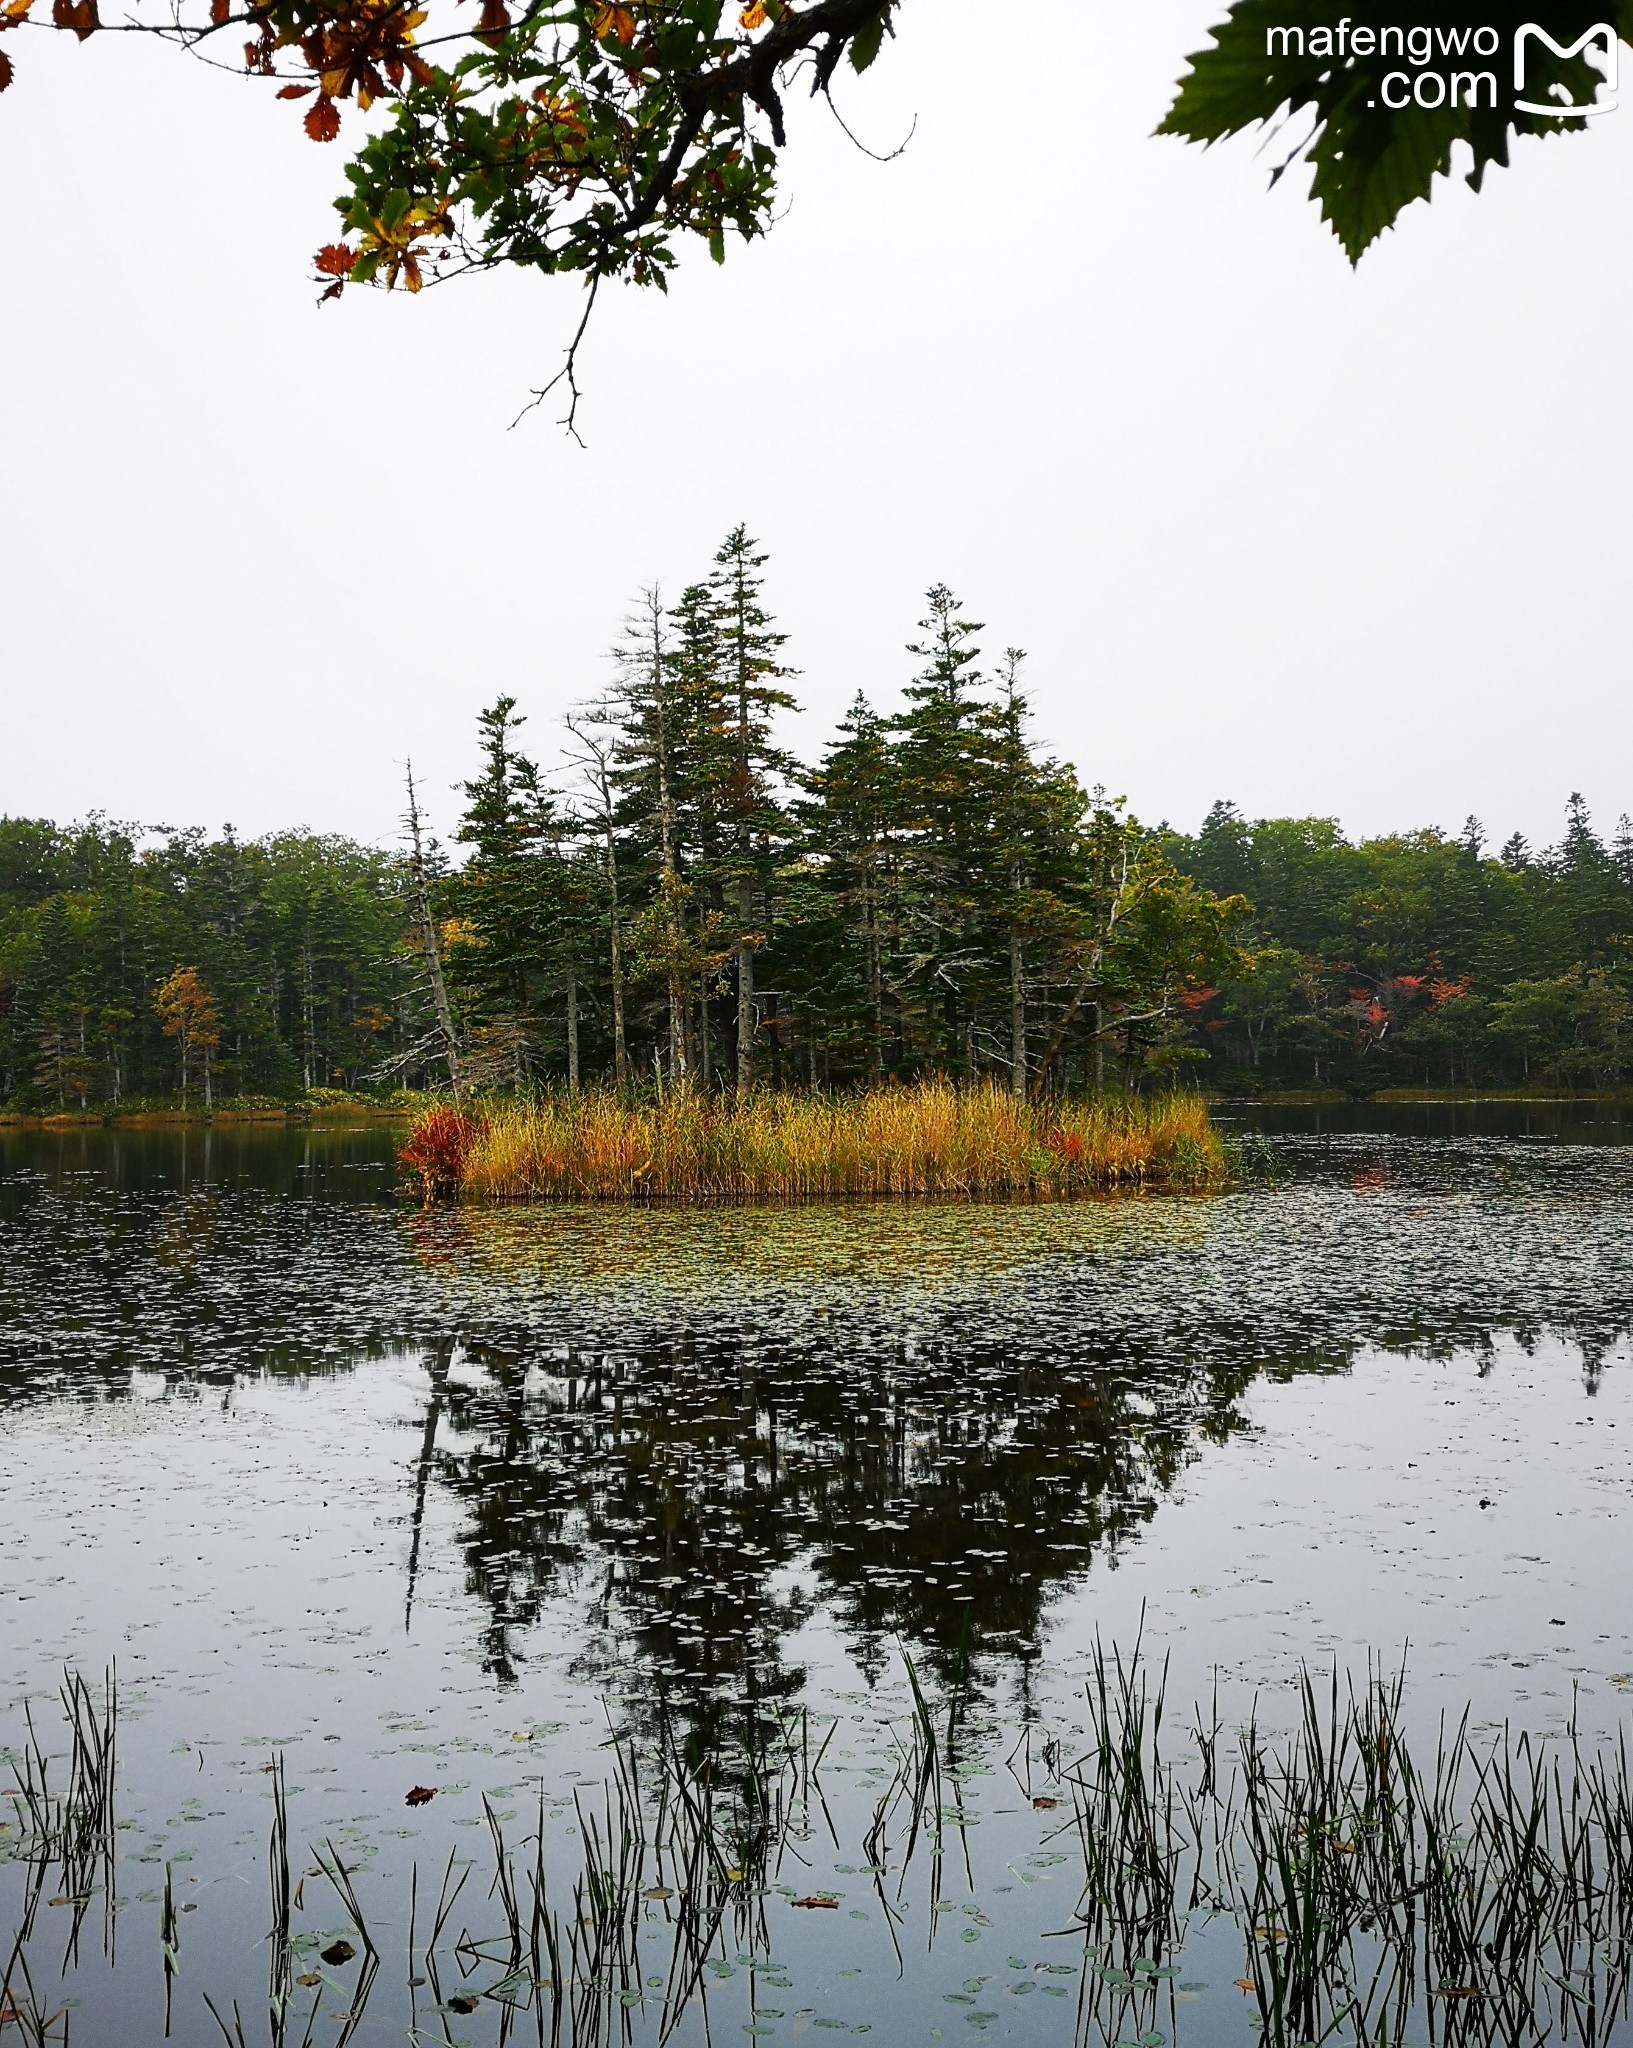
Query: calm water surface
[[456, 1501]]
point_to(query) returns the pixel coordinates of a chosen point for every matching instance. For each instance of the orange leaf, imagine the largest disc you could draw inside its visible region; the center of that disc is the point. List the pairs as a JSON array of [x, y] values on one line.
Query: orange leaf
[[7, 74], [495, 20], [1246, 1984], [294, 92], [753, 17], [420, 1795], [323, 120], [220, 11], [819, 1899], [613, 21], [334, 259]]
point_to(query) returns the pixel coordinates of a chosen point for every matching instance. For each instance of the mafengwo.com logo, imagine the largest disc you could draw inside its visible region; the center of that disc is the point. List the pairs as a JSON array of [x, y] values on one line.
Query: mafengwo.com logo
[[1465, 66]]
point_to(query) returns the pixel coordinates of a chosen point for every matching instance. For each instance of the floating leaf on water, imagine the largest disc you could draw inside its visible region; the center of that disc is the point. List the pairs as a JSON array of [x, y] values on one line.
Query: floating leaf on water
[[338, 1952], [462, 2001], [420, 1795], [1246, 1984], [308, 1978], [1044, 1803], [817, 1899], [657, 1891]]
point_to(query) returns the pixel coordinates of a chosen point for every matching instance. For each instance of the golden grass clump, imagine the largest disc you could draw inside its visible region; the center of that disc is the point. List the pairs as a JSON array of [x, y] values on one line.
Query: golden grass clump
[[928, 1138]]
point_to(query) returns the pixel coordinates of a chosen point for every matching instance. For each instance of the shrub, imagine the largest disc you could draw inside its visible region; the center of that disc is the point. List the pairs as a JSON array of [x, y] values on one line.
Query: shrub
[[438, 1147]]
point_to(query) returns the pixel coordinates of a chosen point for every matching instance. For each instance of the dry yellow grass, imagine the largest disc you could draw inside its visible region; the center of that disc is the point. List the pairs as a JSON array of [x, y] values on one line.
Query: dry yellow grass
[[930, 1138]]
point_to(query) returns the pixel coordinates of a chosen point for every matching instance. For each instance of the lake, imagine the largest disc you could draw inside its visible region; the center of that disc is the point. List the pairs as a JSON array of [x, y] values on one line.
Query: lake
[[593, 1625]]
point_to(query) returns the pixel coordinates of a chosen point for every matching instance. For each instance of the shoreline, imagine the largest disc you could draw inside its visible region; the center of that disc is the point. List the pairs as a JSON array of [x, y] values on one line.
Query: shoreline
[[109, 1117]]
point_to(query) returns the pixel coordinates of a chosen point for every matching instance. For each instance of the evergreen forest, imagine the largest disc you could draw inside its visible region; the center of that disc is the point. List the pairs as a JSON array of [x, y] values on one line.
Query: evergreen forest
[[669, 898]]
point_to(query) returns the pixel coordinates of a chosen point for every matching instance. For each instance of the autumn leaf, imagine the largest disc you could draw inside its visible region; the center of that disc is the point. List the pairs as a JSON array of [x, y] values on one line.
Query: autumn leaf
[[1044, 1803], [753, 17], [334, 259], [390, 239], [294, 92], [220, 12], [7, 74], [495, 20], [1246, 1984], [338, 1952], [79, 15], [462, 2001], [323, 120], [613, 21], [820, 1899], [418, 1795]]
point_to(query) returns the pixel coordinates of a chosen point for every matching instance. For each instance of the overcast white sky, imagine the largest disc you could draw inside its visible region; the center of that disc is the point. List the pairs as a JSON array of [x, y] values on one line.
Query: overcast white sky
[[1314, 540]]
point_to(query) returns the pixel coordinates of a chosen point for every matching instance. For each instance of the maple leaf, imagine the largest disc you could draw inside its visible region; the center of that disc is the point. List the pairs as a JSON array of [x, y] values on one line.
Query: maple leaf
[[334, 259], [323, 120]]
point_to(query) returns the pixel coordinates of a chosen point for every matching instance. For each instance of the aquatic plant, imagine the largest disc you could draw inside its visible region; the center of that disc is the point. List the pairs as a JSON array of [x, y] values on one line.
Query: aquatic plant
[[928, 1139], [1482, 1889]]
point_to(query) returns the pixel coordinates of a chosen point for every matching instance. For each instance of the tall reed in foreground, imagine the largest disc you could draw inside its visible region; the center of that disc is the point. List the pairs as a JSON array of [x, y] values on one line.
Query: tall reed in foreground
[[928, 1138]]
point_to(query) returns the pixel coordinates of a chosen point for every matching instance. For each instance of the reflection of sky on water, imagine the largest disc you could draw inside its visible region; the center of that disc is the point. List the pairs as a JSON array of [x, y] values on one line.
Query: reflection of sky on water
[[610, 1457]]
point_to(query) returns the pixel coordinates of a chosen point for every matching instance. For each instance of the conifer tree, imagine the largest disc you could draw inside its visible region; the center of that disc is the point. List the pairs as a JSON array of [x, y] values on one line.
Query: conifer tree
[[754, 820]]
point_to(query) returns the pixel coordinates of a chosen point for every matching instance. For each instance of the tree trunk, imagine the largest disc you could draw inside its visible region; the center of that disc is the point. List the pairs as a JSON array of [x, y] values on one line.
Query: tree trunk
[[745, 991], [876, 985], [705, 1064], [572, 1030], [1017, 1017], [209, 1093], [433, 951]]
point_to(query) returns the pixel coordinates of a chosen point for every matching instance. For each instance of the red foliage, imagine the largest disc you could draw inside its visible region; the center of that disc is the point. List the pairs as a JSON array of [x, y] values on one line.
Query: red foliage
[[1069, 1144], [437, 1149]]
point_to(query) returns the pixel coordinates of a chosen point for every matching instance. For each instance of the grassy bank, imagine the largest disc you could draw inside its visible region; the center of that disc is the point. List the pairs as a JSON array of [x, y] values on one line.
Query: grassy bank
[[930, 1138], [158, 1112]]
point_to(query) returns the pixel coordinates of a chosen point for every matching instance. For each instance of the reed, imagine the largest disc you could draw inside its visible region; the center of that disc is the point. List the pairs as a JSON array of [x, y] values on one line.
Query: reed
[[928, 1139]]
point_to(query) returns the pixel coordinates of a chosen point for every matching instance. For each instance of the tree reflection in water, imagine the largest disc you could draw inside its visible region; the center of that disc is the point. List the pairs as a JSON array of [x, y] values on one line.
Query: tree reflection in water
[[709, 1499]]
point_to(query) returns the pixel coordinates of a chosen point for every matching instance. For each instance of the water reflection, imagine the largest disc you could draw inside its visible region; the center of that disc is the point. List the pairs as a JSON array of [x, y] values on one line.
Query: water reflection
[[709, 1500], [708, 1427]]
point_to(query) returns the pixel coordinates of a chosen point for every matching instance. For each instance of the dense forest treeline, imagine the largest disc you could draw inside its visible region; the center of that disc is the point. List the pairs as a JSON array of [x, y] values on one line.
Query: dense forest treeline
[[677, 900], [1418, 959]]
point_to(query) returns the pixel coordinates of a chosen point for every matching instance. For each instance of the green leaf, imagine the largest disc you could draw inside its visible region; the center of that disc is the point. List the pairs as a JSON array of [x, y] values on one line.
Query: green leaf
[[866, 42], [1374, 143]]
